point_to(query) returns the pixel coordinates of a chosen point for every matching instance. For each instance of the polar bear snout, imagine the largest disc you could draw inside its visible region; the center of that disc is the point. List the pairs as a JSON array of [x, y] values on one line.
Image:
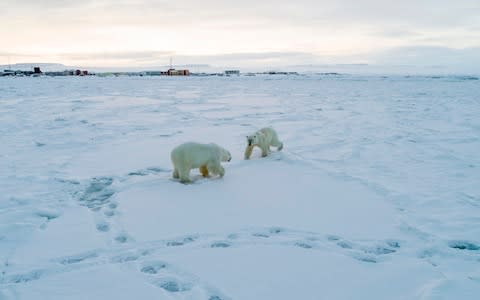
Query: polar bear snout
[[228, 157], [249, 140]]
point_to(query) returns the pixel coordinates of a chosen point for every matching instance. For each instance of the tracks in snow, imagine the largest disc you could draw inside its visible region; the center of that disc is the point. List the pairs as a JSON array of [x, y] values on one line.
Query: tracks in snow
[[146, 258]]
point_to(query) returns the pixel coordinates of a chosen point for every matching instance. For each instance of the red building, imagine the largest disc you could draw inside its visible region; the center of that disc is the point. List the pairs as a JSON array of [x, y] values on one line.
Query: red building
[[173, 72]]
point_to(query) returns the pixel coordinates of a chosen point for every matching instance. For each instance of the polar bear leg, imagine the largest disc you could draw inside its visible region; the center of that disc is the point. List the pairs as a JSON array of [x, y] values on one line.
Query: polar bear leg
[[265, 150], [277, 144], [175, 173], [248, 152], [184, 174], [221, 171], [216, 168], [204, 171]]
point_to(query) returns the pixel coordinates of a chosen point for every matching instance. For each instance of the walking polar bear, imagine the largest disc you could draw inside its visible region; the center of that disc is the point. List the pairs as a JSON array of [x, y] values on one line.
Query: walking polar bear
[[263, 138], [206, 157]]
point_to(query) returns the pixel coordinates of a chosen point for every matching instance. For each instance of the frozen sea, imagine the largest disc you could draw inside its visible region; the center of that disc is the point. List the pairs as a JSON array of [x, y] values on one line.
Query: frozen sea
[[376, 194]]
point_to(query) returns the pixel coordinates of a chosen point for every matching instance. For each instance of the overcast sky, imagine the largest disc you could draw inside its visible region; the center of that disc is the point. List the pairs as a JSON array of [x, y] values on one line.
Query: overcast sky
[[240, 33]]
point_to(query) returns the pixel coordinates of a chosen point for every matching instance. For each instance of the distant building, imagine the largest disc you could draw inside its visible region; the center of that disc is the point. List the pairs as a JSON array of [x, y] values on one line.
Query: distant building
[[173, 72], [36, 70], [7, 73], [155, 73], [56, 73], [232, 72], [68, 73]]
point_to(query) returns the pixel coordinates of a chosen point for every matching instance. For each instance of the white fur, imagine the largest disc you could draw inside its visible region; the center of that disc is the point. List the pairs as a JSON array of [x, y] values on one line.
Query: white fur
[[263, 138], [191, 155]]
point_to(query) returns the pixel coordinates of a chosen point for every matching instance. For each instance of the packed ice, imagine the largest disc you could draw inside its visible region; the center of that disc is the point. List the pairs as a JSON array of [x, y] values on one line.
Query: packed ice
[[375, 194]]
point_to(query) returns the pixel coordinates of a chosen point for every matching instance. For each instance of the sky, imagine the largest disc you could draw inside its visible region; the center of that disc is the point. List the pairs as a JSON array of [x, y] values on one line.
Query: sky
[[247, 33]]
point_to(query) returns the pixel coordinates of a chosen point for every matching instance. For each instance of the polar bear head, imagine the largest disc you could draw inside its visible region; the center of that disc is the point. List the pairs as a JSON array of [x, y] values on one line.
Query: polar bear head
[[254, 139], [224, 155]]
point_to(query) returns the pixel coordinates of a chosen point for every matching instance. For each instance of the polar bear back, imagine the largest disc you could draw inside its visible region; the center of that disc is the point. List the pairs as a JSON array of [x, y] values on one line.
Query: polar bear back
[[196, 155]]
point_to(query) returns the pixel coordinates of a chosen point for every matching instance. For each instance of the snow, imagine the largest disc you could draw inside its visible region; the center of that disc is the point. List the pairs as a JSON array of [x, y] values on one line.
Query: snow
[[374, 196]]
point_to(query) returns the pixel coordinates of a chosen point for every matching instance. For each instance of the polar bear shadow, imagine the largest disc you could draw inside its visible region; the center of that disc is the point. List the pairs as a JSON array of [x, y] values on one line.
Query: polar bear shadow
[[197, 179]]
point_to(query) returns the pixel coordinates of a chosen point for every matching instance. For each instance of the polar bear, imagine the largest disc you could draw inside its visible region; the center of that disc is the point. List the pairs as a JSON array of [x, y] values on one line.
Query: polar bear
[[263, 138], [206, 157]]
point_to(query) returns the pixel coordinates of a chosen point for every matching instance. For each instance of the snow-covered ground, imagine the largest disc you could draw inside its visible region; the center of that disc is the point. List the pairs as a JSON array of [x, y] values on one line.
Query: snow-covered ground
[[376, 194]]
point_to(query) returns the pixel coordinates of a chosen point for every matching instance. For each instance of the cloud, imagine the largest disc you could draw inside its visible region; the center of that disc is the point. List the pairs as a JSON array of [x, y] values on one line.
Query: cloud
[[244, 32], [162, 58], [407, 13], [133, 55], [425, 56], [122, 58], [411, 60]]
